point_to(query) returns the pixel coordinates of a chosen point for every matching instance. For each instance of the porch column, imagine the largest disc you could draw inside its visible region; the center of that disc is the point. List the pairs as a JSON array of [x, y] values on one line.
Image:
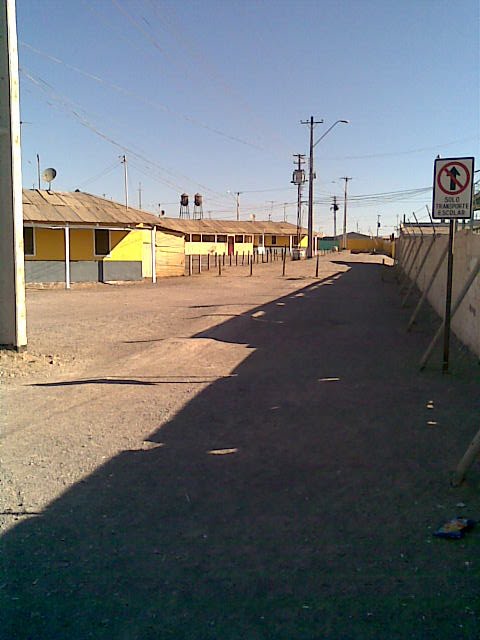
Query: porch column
[[291, 243], [154, 255], [67, 257]]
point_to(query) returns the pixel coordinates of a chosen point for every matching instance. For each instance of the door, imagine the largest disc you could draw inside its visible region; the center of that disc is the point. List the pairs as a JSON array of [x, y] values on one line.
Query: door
[[231, 245]]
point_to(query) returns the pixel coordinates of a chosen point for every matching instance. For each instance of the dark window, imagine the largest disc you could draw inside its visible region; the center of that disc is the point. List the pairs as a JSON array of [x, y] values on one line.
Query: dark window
[[208, 238], [238, 238], [274, 239], [102, 242], [248, 238], [221, 238], [196, 237], [28, 241], [188, 237]]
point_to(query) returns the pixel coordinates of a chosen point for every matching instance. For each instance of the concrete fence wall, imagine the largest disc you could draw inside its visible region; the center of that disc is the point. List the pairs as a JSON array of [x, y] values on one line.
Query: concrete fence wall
[[410, 255]]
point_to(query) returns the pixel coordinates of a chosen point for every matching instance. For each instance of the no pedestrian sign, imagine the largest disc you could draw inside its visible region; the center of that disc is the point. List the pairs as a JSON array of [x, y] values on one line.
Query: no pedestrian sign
[[453, 188]]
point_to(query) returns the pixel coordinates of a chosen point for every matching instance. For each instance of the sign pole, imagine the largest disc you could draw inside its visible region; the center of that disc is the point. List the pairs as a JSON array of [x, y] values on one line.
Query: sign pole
[[448, 298]]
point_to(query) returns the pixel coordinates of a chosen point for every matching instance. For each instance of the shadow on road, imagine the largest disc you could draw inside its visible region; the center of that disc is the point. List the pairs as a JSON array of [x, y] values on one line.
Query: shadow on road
[[293, 500]]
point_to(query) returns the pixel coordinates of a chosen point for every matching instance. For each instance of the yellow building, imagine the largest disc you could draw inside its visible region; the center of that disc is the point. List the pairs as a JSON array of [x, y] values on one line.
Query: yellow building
[[77, 237], [233, 237]]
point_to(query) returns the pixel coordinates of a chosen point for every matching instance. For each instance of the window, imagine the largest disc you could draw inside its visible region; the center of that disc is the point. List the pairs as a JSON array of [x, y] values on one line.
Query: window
[[208, 238], [238, 238], [28, 241], [248, 238], [102, 242], [188, 237], [196, 237], [274, 239], [221, 238]]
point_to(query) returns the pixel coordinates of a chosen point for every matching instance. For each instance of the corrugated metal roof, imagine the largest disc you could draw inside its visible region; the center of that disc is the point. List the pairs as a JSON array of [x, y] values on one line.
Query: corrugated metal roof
[[228, 226], [59, 208], [80, 208]]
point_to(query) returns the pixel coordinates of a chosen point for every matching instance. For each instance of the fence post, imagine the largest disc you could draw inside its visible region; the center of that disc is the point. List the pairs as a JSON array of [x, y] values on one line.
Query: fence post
[[236, 259], [219, 267], [251, 267], [199, 263], [208, 262], [216, 259], [284, 261], [190, 265]]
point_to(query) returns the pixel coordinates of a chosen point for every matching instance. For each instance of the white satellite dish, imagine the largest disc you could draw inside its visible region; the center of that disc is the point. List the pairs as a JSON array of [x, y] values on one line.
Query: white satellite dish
[[49, 176]]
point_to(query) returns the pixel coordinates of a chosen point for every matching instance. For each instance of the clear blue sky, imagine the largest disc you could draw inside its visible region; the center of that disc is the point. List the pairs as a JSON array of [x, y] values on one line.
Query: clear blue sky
[[208, 95]]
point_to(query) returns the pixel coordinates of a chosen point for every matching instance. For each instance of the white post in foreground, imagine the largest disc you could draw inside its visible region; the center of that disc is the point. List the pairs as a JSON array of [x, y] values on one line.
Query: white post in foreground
[[154, 255], [13, 321], [67, 257]]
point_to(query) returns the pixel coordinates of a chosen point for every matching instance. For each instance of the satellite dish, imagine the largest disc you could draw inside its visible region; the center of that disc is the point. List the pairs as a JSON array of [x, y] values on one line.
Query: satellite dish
[[49, 176]]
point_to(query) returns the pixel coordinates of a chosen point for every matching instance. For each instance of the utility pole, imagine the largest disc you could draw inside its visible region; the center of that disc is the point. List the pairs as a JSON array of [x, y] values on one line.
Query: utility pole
[[38, 170], [123, 160], [299, 180], [311, 123], [378, 222], [237, 193], [334, 208], [13, 325], [344, 241], [139, 195]]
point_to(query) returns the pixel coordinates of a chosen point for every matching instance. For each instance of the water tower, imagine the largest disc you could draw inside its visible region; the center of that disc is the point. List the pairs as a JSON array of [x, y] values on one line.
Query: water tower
[[198, 207], [184, 206]]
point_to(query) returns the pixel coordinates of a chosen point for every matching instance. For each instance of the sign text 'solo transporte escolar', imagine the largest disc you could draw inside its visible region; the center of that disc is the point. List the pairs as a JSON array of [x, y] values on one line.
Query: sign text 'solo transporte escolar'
[[453, 188]]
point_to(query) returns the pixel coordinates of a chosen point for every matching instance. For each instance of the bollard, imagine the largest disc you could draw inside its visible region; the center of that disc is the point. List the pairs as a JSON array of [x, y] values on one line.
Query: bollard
[[223, 259], [219, 267], [251, 267], [316, 268], [236, 259], [208, 262], [243, 257], [199, 263], [215, 259]]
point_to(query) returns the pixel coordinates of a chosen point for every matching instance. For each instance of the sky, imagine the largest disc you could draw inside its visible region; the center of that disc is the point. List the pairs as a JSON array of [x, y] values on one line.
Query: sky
[[208, 96]]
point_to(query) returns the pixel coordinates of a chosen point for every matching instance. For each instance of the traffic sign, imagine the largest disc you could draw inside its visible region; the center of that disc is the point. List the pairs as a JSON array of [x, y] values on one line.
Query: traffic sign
[[453, 188]]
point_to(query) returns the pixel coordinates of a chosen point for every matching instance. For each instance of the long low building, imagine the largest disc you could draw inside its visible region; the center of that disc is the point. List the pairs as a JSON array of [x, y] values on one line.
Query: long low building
[[233, 236]]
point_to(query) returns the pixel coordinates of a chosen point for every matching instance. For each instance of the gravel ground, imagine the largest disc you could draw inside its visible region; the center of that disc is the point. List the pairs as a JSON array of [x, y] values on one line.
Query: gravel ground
[[235, 457]]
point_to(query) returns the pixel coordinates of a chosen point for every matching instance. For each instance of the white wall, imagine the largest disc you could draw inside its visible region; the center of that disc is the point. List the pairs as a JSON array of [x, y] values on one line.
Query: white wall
[[466, 322]]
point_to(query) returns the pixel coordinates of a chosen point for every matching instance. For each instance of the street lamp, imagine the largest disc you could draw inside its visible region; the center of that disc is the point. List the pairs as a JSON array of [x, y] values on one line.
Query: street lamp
[[311, 176]]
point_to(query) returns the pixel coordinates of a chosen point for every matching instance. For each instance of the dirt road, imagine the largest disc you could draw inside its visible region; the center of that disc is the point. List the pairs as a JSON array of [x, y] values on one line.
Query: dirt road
[[233, 458]]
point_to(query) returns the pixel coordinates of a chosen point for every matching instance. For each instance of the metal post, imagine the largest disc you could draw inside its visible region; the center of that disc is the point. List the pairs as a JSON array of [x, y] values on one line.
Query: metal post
[[316, 270], [310, 195], [284, 261], [208, 262], [199, 263], [154, 255], [251, 267], [448, 298], [67, 257], [190, 265]]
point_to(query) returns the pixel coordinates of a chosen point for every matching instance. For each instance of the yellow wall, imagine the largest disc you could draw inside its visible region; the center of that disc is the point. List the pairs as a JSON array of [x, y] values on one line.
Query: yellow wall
[[203, 248], [170, 254], [50, 245], [368, 245]]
